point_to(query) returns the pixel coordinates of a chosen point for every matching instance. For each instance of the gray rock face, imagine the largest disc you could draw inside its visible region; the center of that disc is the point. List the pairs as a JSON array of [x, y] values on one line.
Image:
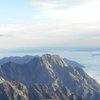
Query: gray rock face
[[40, 92], [50, 77], [11, 91], [17, 91]]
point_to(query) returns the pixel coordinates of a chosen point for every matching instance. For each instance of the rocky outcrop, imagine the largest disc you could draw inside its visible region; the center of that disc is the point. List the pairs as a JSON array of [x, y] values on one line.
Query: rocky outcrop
[[49, 77]]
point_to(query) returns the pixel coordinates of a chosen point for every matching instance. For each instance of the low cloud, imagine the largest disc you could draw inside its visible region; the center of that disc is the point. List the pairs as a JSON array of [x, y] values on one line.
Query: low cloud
[[56, 4], [44, 5], [69, 11], [6, 35], [46, 35]]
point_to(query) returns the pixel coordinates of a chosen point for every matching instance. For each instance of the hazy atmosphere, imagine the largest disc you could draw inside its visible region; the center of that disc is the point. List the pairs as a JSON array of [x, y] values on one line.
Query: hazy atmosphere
[[49, 49], [52, 23]]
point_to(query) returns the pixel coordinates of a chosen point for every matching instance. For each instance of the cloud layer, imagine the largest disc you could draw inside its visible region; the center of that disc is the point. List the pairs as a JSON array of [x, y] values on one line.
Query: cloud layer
[[56, 24], [44, 35]]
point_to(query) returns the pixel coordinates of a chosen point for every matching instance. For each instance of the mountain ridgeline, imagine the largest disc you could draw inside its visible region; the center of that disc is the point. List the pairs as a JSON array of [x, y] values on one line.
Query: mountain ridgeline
[[45, 77]]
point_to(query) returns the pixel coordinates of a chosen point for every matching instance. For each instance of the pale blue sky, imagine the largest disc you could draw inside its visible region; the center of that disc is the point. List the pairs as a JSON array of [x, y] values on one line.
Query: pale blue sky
[[15, 11], [49, 23], [21, 11]]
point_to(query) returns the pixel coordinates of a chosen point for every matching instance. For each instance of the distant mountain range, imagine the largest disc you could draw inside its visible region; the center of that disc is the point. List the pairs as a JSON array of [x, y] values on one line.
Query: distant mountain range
[[27, 58], [45, 77], [16, 59], [96, 54]]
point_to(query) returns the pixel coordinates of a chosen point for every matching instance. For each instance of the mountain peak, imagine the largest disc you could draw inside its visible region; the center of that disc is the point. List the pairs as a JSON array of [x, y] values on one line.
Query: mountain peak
[[55, 60], [53, 72]]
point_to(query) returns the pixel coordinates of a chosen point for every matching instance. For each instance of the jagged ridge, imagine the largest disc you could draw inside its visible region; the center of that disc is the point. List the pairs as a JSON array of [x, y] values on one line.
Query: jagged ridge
[[52, 74]]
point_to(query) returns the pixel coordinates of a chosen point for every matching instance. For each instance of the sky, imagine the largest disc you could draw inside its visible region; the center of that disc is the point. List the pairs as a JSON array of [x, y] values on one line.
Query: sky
[[49, 23]]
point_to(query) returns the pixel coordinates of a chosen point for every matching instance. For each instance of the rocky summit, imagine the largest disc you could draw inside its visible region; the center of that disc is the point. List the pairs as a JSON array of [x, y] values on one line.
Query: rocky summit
[[45, 77]]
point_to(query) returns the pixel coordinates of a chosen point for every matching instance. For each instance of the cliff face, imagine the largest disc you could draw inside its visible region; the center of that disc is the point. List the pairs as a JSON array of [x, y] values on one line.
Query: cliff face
[[12, 91], [47, 77]]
